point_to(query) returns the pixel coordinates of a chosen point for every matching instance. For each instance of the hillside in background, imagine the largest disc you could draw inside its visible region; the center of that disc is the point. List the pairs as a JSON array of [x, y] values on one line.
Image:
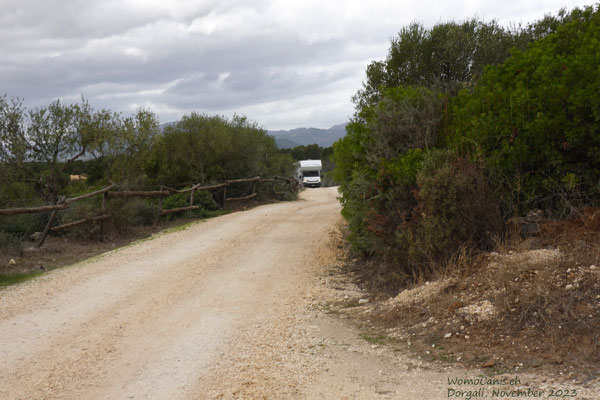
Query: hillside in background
[[283, 143], [305, 136]]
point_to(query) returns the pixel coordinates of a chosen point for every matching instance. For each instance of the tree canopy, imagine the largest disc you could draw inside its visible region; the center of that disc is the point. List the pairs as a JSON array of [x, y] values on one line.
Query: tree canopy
[[39, 148]]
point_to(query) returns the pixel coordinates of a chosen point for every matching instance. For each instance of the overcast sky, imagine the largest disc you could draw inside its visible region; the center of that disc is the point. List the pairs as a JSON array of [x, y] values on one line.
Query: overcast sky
[[284, 64]]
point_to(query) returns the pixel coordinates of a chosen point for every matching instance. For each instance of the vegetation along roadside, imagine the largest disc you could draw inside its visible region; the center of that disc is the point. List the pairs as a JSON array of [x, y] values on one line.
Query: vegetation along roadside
[[469, 179], [54, 158]]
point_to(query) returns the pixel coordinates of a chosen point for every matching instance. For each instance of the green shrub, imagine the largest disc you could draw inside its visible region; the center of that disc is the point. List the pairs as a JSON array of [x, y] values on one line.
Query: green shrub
[[457, 208], [176, 201], [23, 225], [289, 196], [80, 210], [420, 211], [10, 243], [535, 120], [206, 200], [133, 212], [76, 188], [426, 172]]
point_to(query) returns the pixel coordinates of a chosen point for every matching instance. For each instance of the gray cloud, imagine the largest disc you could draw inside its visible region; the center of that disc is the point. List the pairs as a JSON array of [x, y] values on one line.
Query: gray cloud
[[284, 64]]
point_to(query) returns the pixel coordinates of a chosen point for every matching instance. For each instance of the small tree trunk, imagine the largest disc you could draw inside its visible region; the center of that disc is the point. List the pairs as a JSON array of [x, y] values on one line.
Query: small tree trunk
[[49, 224]]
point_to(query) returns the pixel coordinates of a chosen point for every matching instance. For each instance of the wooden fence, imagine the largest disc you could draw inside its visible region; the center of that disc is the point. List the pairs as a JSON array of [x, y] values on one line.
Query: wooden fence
[[107, 192]]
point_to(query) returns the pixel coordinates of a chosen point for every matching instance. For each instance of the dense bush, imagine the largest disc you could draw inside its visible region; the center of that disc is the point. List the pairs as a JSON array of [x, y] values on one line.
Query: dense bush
[[130, 213], [377, 164], [535, 120], [203, 199], [456, 206], [10, 244], [426, 170], [202, 148], [80, 210], [40, 148], [418, 210], [15, 229], [22, 225]]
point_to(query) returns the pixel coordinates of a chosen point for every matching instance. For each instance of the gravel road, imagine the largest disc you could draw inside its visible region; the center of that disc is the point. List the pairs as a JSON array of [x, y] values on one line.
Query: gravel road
[[227, 308], [154, 319]]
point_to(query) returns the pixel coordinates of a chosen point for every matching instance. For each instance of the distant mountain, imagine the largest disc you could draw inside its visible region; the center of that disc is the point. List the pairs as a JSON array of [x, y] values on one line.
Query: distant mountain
[[297, 137], [306, 136], [284, 143]]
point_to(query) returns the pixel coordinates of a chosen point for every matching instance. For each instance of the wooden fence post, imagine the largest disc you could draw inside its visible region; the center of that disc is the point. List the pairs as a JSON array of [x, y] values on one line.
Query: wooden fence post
[[102, 223], [160, 201], [192, 197], [224, 196], [61, 200]]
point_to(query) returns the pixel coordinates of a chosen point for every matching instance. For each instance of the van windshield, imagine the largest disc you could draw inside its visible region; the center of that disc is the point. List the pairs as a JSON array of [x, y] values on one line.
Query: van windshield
[[310, 173]]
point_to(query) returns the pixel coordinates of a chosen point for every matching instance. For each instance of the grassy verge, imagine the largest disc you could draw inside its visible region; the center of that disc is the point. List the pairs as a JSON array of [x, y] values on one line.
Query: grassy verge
[[12, 279]]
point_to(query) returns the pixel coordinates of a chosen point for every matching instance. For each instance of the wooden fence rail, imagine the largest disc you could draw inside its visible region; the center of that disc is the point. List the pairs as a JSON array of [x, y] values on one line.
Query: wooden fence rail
[[32, 210], [256, 178], [81, 221], [88, 195], [242, 198], [108, 191], [174, 210], [151, 193]]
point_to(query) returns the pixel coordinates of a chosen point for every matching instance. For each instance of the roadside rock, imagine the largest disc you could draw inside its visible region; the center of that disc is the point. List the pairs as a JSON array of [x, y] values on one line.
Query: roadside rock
[[528, 226], [455, 306], [420, 294], [537, 363], [536, 216], [530, 229], [481, 311], [36, 236], [488, 364]]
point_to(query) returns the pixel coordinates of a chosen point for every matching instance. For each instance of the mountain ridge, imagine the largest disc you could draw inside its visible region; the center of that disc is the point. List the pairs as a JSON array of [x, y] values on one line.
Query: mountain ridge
[[287, 139], [305, 136]]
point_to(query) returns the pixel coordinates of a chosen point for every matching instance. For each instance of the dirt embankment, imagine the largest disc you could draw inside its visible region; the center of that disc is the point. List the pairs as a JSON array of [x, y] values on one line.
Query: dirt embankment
[[531, 308]]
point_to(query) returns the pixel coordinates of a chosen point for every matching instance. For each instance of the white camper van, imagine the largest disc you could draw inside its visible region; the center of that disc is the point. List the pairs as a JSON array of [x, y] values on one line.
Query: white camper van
[[309, 172]]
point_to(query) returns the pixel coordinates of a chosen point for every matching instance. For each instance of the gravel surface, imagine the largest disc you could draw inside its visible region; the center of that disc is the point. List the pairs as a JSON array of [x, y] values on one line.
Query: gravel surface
[[160, 318], [228, 308]]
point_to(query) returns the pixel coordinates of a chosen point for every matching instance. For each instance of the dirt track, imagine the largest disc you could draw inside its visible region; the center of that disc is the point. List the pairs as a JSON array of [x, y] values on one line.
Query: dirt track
[[153, 320], [228, 308]]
